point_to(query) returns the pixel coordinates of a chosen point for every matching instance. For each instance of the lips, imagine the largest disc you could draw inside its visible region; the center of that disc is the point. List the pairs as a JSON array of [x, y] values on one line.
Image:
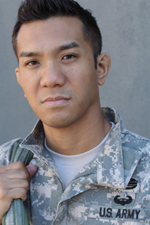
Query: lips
[[52, 99], [55, 101]]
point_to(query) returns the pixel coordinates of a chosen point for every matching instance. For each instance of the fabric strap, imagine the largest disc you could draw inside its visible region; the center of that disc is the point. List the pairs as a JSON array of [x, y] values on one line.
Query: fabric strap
[[17, 214]]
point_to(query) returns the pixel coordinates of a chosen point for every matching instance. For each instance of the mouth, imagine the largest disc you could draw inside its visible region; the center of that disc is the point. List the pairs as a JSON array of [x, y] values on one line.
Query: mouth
[[55, 101]]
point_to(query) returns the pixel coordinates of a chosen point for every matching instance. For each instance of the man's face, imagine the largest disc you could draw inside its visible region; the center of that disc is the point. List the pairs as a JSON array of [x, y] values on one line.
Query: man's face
[[57, 70]]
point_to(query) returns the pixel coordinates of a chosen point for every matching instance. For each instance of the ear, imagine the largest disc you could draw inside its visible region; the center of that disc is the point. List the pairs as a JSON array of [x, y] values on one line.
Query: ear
[[103, 66], [17, 75], [18, 78]]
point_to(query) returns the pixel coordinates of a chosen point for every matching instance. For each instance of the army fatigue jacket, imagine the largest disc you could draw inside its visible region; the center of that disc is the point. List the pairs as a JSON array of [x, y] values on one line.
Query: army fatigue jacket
[[113, 189]]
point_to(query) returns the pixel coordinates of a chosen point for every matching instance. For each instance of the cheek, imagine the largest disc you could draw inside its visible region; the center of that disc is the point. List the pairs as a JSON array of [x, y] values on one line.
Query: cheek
[[87, 88], [81, 74], [28, 88], [28, 83], [30, 91]]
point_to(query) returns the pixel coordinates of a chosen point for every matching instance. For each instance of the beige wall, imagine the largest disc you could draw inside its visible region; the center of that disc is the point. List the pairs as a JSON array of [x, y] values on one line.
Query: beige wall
[[125, 27]]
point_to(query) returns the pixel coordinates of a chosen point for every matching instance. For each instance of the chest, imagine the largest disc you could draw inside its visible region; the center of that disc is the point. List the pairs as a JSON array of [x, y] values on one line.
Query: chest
[[84, 204]]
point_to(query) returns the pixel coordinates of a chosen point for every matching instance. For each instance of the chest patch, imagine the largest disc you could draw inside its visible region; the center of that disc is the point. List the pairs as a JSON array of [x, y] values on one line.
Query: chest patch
[[122, 201], [120, 213], [128, 214]]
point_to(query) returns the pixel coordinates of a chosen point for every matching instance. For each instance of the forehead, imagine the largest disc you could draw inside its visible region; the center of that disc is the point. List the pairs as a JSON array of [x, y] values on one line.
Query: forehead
[[54, 32]]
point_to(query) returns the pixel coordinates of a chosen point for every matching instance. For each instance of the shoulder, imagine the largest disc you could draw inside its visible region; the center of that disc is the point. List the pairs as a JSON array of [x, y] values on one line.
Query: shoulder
[[6, 151], [138, 147], [135, 141], [128, 139]]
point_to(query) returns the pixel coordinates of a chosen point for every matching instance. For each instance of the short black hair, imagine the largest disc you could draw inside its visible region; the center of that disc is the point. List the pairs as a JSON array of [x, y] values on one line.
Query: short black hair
[[33, 10]]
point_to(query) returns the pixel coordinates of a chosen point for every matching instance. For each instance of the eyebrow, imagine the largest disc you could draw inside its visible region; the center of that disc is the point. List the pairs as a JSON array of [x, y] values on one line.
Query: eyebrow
[[28, 54], [59, 49], [67, 46]]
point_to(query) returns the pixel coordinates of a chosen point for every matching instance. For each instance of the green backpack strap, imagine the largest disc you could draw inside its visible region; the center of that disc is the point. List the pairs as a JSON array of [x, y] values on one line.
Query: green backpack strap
[[17, 214]]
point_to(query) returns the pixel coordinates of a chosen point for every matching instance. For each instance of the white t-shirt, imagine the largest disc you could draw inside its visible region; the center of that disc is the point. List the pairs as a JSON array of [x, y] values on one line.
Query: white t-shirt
[[69, 165]]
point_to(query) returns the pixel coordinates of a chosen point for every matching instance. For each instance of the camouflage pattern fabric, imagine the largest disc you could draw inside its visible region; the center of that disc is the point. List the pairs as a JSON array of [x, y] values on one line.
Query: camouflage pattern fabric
[[114, 189]]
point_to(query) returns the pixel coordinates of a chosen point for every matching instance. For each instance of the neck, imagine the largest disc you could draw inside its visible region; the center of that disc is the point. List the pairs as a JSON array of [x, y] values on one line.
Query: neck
[[80, 137]]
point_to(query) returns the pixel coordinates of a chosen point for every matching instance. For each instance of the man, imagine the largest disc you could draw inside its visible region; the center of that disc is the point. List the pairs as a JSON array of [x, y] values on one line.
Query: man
[[87, 167]]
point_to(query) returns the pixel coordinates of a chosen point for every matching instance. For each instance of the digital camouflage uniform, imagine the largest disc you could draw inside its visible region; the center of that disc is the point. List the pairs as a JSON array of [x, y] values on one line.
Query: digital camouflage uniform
[[114, 189]]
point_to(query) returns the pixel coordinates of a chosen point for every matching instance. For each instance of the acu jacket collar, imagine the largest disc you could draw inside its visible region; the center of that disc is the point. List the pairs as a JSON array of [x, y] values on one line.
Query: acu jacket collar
[[116, 163], [113, 167]]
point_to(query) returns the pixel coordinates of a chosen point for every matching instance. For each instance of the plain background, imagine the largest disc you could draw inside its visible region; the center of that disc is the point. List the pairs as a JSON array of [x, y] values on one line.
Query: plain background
[[125, 27]]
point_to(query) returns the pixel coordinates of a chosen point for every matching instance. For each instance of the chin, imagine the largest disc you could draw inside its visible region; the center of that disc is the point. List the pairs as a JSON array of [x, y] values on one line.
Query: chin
[[58, 122]]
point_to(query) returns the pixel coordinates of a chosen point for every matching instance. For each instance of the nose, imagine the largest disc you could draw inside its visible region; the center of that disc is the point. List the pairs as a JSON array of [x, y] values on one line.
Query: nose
[[52, 76]]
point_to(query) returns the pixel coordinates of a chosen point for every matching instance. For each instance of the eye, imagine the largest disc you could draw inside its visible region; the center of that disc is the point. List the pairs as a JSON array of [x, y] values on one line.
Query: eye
[[32, 63], [70, 56]]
